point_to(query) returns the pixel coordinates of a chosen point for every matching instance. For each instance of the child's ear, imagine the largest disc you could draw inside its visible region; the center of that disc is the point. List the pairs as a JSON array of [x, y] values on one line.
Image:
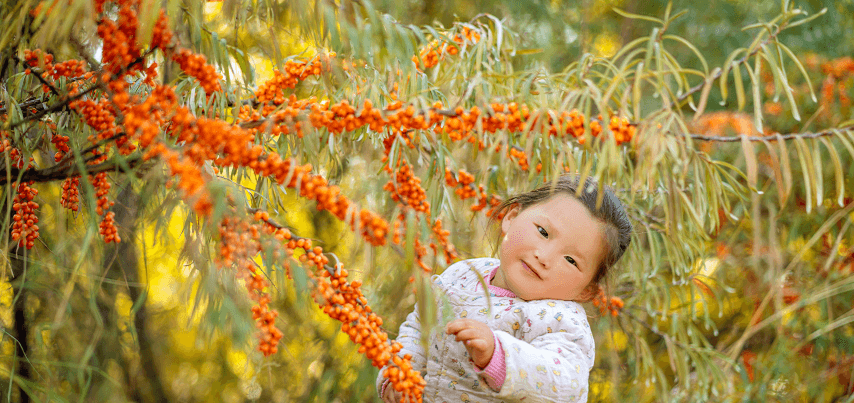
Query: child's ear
[[512, 212]]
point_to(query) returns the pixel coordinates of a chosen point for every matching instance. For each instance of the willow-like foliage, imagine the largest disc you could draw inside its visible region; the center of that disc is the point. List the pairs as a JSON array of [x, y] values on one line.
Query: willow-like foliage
[[740, 261]]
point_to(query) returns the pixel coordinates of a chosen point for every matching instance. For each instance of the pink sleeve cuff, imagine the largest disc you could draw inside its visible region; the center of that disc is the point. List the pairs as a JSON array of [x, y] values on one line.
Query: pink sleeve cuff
[[496, 370]]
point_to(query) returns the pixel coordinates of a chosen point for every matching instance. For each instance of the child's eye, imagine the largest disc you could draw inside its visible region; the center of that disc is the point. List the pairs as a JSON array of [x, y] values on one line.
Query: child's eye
[[542, 231], [571, 261]]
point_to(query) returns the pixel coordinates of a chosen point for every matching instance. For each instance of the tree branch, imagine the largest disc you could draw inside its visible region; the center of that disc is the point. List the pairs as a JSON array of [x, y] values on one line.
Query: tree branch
[[53, 174], [99, 84], [788, 136]]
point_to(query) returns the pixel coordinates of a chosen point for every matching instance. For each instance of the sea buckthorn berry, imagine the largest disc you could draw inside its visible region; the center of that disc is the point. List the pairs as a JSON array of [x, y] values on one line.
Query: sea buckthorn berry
[[25, 227], [195, 65]]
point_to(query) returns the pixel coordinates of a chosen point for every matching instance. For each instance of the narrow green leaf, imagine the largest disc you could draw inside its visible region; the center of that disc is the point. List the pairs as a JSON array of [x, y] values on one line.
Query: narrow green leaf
[[629, 47], [780, 77], [819, 173], [693, 48], [800, 67], [837, 170], [662, 89], [787, 169], [807, 19], [692, 212], [629, 15], [739, 87], [409, 248], [147, 16], [653, 37], [749, 160], [428, 314], [806, 169], [842, 135], [636, 90], [757, 94], [778, 173], [704, 95], [728, 64]]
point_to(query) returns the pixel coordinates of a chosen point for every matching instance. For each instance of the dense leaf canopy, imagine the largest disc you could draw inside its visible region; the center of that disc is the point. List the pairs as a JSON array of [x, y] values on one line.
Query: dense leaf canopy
[[193, 191]]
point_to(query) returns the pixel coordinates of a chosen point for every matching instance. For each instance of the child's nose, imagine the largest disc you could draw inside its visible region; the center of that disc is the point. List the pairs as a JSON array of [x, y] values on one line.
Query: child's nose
[[542, 257]]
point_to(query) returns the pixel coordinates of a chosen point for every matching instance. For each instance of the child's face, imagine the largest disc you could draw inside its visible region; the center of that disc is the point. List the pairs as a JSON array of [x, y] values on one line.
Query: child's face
[[551, 250]]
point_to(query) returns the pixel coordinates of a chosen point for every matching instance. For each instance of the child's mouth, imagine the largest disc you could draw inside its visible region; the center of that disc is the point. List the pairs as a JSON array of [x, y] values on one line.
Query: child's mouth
[[530, 270]]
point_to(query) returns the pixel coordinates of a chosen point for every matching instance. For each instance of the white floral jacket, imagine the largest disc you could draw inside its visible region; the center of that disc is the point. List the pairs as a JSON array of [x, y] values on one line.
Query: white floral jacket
[[548, 345]]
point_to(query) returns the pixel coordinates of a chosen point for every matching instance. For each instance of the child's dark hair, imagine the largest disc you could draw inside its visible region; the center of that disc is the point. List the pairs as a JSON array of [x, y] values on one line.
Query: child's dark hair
[[617, 228]]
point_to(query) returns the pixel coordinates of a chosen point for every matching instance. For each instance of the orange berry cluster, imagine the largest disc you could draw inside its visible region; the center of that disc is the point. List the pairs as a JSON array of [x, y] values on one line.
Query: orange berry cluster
[[339, 298], [463, 181], [831, 86], [15, 156], [623, 130], [839, 68], [404, 379], [342, 117], [433, 53], [107, 228], [239, 243], [25, 227], [70, 68], [36, 58], [201, 140], [515, 118], [119, 47], [196, 65], [161, 37], [280, 119], [294, 72], [98, 115], [345, 302], [519, 155], [70, 191], [406, 188], [61, 144], [265, 318], [442, 236], [231, 145], [458, 124], [607, 304], [420, 250]]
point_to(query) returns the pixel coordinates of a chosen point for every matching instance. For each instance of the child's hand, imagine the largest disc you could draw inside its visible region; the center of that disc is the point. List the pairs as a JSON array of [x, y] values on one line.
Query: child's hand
[[477, 338]]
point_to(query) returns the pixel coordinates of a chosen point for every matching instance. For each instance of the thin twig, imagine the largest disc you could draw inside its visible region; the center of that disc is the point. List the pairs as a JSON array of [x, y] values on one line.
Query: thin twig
[[55, 107], [788, 136]]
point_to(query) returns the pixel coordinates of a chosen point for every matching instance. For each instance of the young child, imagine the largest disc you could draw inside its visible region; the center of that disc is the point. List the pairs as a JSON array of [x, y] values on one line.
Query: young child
[[531, 340]]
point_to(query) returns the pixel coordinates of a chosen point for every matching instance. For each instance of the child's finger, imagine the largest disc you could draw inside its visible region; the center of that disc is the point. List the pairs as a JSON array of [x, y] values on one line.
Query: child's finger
[[466, 334], [457, 325]]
